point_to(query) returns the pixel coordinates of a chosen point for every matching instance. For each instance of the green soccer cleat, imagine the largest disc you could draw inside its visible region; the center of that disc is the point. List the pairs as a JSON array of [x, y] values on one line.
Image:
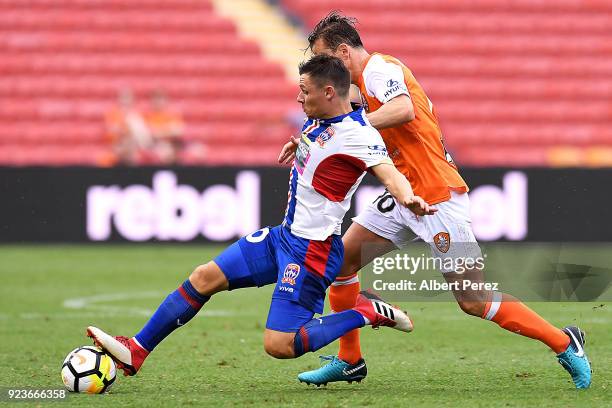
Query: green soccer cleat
[[335, 370], [574, 359]]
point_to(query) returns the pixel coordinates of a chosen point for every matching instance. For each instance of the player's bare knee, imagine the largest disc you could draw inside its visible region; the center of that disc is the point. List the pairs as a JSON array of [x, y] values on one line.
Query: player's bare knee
[[207, 279], [198, 277], [278, 345], [474, 308], [277, 349], [277, 352]]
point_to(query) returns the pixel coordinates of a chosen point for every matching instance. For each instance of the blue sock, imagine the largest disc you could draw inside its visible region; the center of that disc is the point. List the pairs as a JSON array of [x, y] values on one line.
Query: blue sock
[[319, 332], [176, 310]]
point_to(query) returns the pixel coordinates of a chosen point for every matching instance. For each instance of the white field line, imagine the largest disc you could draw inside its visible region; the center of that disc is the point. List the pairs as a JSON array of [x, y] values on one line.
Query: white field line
[[97, 306]]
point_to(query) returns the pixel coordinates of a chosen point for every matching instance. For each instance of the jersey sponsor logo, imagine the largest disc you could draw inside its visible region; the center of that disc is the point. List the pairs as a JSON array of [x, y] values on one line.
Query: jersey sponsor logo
[[325, 136], [378, 150], [442, 241], [377, 147], [291, 273], [392, 83], [302, 155], [392, 87]]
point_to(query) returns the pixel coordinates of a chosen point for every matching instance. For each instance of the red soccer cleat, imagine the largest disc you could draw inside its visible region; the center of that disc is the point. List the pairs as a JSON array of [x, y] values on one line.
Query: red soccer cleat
[[381, 313], [126, 353]]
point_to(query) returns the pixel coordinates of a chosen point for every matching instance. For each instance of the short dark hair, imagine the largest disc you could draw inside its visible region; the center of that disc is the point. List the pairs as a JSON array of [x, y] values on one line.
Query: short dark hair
[[327, 69], [335, 29]]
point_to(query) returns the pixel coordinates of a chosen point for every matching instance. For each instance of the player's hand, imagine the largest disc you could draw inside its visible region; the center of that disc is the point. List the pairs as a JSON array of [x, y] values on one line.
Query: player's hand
[[287, 153], [418, 206]]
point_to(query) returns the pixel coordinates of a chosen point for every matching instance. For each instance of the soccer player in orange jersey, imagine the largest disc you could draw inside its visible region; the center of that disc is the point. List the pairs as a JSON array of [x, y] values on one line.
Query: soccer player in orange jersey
[[397, 105]]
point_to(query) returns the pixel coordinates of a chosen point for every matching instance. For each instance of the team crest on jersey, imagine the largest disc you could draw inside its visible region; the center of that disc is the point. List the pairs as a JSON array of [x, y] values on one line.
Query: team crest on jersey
[[325, 136], [442, 241], [291, 273]]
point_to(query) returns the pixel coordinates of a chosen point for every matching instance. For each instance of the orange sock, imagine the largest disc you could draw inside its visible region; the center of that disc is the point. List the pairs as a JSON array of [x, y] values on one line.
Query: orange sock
[[512, 315], [342, 296]]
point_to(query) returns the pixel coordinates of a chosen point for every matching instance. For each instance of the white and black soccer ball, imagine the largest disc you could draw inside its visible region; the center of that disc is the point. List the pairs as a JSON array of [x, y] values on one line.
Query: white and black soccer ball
[[88, 369]]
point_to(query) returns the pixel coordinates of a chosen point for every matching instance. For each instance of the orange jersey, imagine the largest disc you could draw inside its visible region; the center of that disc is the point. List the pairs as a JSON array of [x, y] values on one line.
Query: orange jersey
[[416, 147], [164, 124], [115, 124]]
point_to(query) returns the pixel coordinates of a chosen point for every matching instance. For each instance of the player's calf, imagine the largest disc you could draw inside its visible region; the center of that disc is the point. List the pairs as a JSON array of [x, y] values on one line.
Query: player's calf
[[178, 308], [470, 301], [473, 308], [369, 310]]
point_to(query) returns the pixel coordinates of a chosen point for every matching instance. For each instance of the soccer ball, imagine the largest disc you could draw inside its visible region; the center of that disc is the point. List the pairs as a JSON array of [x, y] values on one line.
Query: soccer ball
[[88, 369]]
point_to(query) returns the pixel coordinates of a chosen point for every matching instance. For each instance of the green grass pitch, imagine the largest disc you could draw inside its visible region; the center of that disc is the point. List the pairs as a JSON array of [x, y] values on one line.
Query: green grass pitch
[[49, 294]]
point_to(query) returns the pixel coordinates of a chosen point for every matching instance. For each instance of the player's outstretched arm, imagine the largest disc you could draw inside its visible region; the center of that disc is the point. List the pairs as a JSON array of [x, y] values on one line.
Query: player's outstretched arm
[[287, 153], [400, 188], [397, 111]]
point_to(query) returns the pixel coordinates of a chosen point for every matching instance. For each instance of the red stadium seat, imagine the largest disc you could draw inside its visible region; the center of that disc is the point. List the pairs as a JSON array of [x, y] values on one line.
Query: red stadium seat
[[509, 80], [64, 62]]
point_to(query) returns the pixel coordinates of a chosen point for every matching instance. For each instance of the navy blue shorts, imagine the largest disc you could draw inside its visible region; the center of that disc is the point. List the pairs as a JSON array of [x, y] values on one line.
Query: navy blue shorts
[[302, 269], [287, 316]]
